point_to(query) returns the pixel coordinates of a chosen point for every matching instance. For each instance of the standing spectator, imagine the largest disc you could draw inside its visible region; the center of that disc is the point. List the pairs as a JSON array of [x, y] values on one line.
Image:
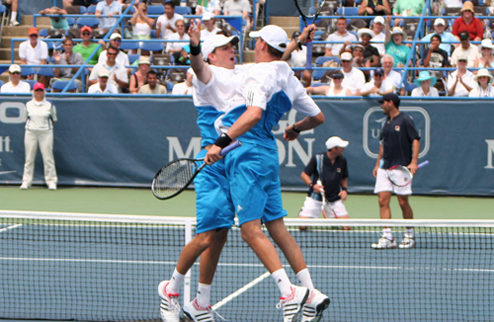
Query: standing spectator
[[379, 35], [139, 77], [469, 23], [486, 58], [326, 173], [334, 90], [86, 47], [425, 83], [15, 85], [377, 87], [184, 88], [209, 27], [107, 8], [374, 8], [465, 49], [152, 86], [397, 148], [69, 57], [141, 23], [14, 7], [165, 25], [461, 81], [102, 86], [117, 73], [435, 56], [342, 35], [122, 57], [354, 79], [439, 29], [407, 8], [483, 88], [208, 6], [238, 8], [41, 114], [394, 44], [33, 51], [370, 53], [173, 47]]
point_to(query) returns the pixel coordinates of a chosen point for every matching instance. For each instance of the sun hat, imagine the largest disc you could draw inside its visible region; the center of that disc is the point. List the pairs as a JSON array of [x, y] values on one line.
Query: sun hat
[[424, 76], [467, 6], [398, 31], [144, 60], [486, 43], [483, 72], [366, 31]]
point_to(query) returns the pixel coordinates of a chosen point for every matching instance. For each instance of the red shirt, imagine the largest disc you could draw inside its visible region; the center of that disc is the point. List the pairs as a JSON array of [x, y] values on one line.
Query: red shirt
[[474, 28]]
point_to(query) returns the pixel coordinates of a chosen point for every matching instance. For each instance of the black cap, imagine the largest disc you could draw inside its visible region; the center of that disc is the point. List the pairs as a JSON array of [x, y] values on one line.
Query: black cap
[[464, 35], [379, 71], [391, 97]]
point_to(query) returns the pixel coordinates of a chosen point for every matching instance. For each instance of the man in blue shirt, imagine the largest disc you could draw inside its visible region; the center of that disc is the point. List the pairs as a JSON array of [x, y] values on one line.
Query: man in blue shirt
[[439, 29], [108, 8]]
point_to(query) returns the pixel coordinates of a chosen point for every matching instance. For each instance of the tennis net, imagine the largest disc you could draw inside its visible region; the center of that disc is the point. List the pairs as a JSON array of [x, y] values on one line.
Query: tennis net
[[60, 266]]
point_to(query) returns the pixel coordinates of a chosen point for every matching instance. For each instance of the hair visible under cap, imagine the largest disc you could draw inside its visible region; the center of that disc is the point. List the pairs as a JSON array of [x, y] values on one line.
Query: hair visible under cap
[[438, 37]]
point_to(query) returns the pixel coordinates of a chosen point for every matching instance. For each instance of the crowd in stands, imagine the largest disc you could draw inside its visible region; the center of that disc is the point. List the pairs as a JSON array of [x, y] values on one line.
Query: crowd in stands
[[364, 57]]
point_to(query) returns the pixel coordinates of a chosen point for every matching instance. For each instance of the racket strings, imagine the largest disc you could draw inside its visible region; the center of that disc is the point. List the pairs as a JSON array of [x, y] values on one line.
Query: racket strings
[[306, 6], [173, 178], [399, 176]]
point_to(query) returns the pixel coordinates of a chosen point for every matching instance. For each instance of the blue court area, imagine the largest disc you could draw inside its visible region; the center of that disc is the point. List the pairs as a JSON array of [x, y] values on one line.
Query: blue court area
[[110, 272]]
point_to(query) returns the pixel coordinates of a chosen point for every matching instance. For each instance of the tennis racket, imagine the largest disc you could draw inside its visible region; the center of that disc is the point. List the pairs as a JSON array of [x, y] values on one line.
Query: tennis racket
[[5, 172], [309, 10], [323, 196], [401, 176], [175, 176]]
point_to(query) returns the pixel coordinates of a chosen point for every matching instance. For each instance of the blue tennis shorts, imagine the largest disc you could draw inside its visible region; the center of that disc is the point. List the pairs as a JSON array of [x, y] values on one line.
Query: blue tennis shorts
[[214, 208], [253, 173]]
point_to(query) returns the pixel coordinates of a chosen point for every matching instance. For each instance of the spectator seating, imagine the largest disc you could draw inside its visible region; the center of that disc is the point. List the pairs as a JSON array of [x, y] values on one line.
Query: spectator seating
[[45, 71], [183, 10], [156, 10], [410, 87], [162, 59], [152, 46], [58, 86], [321, 59], [30, 81], [347, 11], [87, 21], [83, 10], [133, 58], [129, 45], [3, 12], [1, 83], [91, 10], [25, 71], [177, 75]]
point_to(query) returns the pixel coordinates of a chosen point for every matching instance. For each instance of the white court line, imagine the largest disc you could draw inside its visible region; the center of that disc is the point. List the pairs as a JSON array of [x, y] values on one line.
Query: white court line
[[10, 227], [86, 260], [240, 291]]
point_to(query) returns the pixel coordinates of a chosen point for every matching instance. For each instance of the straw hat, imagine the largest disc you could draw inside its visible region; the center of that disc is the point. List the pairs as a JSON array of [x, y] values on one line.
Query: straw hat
[[398, 31], [144, 60], [483, 72], [424, 76], [467, 6], [365, 31]]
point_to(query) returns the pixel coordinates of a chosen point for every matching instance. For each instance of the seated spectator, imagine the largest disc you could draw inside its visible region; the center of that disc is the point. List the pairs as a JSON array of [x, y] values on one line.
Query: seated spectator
[[141, 23], [210, 6], [394, 44], [483, 88], [371, 54], [486, 58], [209, 27], [371, 8], [173, 47], [165, 25], [298, 58], [69, 57], [33, 51], [439, 29], [139, 77], [341, 34], [425, 83], [184, 88], [379, 35], [336, 90], [238, 8], [117, 72], [122, 57], [465, 49], [357, 51], [407, 8], [83, 3], [103, 86], [377, 87], [152, 86], [391, 77], [107, 8], [15, 85], [461, 81], [469, 23], [435, 56], [354, 78], [58, 24], [14, 7], [86, 47]]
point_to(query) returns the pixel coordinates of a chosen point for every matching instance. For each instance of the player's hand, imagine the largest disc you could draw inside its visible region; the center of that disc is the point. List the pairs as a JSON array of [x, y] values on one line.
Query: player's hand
[[374, 172], [195, 32], [56, 56], [318, 188], [213, 155], [343, 194], [290, 134], [413, 167], [305, 33]]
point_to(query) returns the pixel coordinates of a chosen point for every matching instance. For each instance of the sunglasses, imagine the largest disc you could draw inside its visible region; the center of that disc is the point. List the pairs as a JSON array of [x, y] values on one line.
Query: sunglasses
[[33, 36], [111, 54], [117, 40], [378, 75], [86, 34], [462, 61], [68, 44], [337, 77], [39, 90], [15, 73], [346, 61]]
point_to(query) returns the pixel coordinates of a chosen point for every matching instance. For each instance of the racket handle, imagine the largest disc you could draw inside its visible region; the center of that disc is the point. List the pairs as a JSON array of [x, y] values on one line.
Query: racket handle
[[320, 184], [308, 63], [423, 164], [230, 147]]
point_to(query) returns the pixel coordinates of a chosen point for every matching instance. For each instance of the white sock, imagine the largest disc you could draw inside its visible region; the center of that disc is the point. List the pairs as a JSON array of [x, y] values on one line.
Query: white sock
[[283, 282], [175, 282], [387, 233], [14, 16], [305, 279], [203, 295], [409, 232]]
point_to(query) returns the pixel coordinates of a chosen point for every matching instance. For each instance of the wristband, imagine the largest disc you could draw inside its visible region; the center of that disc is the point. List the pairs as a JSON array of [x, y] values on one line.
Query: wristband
[[223, 141], [295, 129], [195, 50], [344, 189], [299, 43]]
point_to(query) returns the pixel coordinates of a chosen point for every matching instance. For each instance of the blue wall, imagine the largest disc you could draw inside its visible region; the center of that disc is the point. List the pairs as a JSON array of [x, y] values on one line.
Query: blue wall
[[123, 142]]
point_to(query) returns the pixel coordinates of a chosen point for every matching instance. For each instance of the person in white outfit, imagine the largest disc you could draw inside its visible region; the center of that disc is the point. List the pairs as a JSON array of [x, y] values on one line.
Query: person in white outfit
[[15, 85], [41, 115]]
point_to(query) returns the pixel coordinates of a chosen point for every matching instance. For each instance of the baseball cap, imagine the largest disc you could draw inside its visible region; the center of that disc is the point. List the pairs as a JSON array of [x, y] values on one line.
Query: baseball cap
[[464, 35], [390, 97], [379, 19], [346, 56], [103, 72], [38, 86], [211, 43], [273, 35], [144, 60], [462, 57], [439, 21], [336, 141], [86, 28], [14, 68], [33, 31], [115, 36], [379, 71], [207, 16]]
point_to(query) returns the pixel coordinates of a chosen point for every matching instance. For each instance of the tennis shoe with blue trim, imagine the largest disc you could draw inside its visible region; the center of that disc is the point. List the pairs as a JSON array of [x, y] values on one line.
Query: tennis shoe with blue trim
[[169, 307], [292, 304], [194, 312], [385, 243], [407, 242], [314, 306]]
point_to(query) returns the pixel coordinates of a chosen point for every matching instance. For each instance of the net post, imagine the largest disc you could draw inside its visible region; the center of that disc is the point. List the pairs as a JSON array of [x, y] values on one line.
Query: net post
[[188, 238]]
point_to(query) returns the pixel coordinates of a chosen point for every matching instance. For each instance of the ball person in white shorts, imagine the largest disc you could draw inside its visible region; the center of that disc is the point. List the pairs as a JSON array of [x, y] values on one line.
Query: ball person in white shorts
[[331, 168], [400, 145]]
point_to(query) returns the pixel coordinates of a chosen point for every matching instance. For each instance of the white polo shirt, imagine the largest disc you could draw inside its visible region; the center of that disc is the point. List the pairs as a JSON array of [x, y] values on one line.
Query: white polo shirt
[[165, 33], [354, 80], [105, 9], [96, 89], [368, 86], [22, 87], [116, 69], [460, 90], [335, 36], [418, 91], [394, 80], [35, 55], [472, 53]]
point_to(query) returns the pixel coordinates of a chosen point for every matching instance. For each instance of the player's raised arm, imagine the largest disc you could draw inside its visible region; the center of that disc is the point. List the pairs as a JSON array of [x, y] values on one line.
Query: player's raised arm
[[199, 66]]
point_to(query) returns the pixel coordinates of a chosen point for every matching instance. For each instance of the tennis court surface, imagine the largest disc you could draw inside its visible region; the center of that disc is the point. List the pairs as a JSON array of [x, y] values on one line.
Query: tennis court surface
[[63, 266]]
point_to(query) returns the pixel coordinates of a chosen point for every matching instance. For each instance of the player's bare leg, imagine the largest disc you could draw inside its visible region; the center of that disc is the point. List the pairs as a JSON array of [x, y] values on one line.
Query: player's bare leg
[[386, 240], [409, 238]]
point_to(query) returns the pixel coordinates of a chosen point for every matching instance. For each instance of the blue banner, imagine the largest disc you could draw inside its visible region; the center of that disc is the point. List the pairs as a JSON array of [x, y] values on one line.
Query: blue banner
[[124, 141]]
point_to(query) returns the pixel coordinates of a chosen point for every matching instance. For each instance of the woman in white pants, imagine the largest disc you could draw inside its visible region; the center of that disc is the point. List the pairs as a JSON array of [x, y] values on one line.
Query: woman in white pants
[[41, 115]]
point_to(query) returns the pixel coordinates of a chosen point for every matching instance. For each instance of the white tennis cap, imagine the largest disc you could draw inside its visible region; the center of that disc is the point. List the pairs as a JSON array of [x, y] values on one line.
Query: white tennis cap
[[379, 19], [211, 43], [14, 68], [207, 16], [439, 21], [336, 141], [275, 36], [103, 72]]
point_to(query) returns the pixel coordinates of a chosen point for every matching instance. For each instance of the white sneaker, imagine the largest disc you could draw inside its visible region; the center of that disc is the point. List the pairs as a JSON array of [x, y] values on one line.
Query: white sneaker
[[169, 307], [292, 305], [14, 23], [52, 186], [196, 313], [385, 243], [407, 242], [313, 307], [25, 186]]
